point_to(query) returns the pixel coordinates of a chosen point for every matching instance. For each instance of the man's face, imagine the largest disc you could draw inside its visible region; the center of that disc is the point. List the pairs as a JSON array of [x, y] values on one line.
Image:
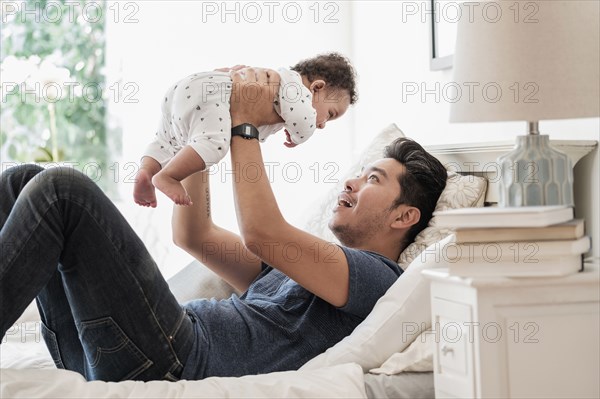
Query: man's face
[[364, 208]]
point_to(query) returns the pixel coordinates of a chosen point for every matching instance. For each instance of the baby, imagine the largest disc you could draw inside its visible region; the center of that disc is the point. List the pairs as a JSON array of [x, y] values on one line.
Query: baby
[[195, 128]]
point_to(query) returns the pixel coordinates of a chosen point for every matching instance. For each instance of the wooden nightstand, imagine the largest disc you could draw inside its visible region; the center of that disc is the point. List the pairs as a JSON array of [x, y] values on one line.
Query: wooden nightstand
[[516, 338]]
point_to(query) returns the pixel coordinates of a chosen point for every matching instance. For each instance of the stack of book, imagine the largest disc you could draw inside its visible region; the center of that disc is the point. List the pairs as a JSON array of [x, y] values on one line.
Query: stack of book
[[529, 241]]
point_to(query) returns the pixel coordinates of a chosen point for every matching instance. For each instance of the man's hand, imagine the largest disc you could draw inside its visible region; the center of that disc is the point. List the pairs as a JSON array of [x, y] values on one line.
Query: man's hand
[[252, 96]]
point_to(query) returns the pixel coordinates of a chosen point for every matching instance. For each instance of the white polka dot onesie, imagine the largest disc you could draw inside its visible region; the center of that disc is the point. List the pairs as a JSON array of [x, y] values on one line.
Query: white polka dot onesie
[[195, 112]]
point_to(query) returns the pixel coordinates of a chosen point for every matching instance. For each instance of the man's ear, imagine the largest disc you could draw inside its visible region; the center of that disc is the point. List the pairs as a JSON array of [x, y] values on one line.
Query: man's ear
[[316, 85], [406, 216]]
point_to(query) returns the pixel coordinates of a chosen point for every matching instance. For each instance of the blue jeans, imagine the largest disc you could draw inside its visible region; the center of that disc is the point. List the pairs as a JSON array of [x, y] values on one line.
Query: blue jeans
[[106, 310]]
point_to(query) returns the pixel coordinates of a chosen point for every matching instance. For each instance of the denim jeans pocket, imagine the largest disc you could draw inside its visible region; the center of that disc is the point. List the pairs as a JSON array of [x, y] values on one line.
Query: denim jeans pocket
[[52, 344], [111, 355]]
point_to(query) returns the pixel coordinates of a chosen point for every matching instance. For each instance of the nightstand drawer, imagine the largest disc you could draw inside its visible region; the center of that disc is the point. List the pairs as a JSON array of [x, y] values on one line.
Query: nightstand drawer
[[529, 337], [453, 357]]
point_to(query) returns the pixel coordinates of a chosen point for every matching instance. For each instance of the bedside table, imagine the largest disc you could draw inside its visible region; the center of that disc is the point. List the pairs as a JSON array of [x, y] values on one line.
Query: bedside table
[[516, 337]]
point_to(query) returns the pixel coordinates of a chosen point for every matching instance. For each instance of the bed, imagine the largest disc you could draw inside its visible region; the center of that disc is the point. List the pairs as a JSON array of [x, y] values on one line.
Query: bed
[[388, 355]]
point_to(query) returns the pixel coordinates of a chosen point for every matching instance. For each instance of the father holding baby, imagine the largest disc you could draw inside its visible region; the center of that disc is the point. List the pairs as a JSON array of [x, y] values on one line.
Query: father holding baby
[[108, 313]]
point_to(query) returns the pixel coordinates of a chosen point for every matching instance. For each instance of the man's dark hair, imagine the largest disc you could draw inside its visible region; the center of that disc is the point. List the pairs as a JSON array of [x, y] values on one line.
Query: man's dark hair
[[335, 69], [421, 184]]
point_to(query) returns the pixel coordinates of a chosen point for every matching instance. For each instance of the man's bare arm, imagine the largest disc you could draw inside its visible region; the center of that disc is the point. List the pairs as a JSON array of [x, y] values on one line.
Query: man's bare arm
[[193, 228], [220, 250], [315, 264]]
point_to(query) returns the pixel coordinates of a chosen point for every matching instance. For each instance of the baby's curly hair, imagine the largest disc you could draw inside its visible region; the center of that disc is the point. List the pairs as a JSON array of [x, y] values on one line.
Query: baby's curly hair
[[335, 69]]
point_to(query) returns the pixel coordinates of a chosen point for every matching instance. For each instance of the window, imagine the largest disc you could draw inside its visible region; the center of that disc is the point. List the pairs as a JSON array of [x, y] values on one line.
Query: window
[[54, 98]]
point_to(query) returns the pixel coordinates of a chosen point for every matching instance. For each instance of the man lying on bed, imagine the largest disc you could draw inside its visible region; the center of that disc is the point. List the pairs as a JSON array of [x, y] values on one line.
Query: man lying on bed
[[108, 313]]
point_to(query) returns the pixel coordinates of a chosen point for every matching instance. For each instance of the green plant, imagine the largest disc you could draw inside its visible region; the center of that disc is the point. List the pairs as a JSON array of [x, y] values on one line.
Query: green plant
[[35, 124]]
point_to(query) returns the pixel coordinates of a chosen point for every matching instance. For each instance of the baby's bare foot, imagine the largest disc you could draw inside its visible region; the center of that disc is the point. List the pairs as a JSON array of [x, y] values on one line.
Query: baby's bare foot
[[143, 191], [171, 188]]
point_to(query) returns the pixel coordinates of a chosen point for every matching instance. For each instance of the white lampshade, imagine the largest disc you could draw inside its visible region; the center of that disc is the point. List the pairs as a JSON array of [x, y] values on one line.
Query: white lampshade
[[537, 60]]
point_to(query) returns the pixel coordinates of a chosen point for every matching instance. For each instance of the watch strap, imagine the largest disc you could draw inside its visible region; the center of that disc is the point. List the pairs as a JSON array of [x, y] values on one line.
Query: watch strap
[[245, 130]]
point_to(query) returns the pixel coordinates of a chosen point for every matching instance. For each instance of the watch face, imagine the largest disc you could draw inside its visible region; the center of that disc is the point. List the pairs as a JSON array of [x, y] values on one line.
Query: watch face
[[245, 130]]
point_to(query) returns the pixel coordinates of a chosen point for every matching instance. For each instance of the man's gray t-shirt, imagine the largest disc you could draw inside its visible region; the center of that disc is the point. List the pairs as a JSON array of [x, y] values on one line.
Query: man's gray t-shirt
[[278, 325]]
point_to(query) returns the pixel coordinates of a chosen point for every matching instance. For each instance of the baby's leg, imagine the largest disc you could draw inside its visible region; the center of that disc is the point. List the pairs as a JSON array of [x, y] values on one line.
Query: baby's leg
[[168, 180], [143, 191]]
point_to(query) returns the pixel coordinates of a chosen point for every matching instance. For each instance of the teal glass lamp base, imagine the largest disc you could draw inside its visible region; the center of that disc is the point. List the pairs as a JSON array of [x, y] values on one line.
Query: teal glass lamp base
[[535, 174]]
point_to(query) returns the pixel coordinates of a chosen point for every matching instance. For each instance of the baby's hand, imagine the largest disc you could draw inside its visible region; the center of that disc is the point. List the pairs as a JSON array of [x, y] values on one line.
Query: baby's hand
[[288, 140]]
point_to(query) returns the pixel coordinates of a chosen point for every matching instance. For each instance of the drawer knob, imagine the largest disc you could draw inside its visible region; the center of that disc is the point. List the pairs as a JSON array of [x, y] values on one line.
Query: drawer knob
[[446, 350]]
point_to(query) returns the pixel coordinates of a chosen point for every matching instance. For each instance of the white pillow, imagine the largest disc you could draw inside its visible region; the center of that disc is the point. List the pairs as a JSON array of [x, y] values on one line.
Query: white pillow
[[396, 320], [417, 357], [198, 281], [460, 192]]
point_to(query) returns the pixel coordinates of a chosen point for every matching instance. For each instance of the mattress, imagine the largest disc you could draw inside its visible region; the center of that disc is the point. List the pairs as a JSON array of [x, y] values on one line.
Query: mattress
[[27, 371]]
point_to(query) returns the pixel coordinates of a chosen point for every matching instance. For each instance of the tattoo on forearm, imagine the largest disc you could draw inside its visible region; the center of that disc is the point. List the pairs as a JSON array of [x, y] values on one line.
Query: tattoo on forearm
[[207, 202]]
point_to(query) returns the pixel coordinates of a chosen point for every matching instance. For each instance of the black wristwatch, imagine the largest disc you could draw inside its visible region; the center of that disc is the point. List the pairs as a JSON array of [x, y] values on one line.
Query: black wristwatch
[[245, 130]]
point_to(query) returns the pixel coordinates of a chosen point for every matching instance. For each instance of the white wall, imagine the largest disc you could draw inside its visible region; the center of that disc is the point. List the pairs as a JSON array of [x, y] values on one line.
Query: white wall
[[391, 52], [172, 39], [389, 47]]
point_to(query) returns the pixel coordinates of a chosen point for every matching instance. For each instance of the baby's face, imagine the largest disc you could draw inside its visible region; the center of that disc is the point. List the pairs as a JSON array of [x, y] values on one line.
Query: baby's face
[[330, 104]]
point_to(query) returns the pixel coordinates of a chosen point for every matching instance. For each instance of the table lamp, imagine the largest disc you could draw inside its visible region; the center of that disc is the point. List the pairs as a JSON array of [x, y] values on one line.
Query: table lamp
[[528, 61]]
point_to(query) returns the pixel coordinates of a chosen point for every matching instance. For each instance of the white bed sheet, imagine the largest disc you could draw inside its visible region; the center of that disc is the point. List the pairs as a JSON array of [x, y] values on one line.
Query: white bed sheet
[[27, 371], [344, 381], [406, 385], [23, 347]]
